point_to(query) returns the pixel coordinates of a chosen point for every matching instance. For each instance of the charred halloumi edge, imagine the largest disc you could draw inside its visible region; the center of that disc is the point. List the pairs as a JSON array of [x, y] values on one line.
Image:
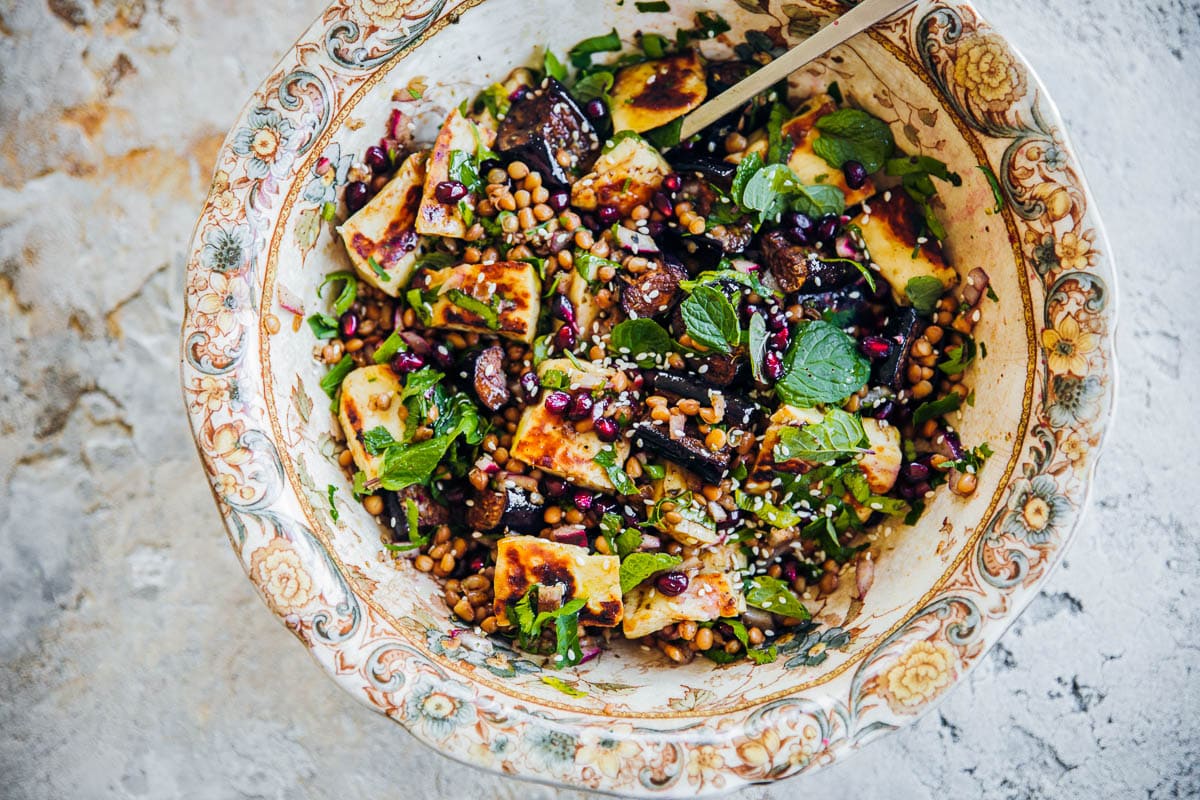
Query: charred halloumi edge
[[697, 526], [893, 252], [363, 392], [385, 223], [626, 175], [653, 93], [435, 218], [881, 463], [522, 561], [587, 307], [511, 287], [714, 591], [550, 443]]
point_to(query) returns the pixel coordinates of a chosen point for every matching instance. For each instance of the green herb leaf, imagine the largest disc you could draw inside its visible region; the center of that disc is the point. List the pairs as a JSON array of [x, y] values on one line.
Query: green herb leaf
[[553, 67], [768, 512], [555, 379], [817, 200], [407, 466], [349, 292], [568, 651], [495, 99], [323, 326], [463, 169], [746, 169], [849, 134], [581, 54], [923, 292], [708, 25], [627, 541], [758, 345], [641, 340], [766, 193], [838, 435], [360, 484], [391, 345], [607, 458], [775, 153], [936, 408], [654, 6], [726, 274], [758, 656], [589, 265], [333, 512], [564, 687], [772, 594], [959, 357], [823, 365], [333, 379], [595, 86], [376, 440], [655, 472], [666, 136], [412, 515], [487, 313], [711, 319], [653, 45], [637, 567]]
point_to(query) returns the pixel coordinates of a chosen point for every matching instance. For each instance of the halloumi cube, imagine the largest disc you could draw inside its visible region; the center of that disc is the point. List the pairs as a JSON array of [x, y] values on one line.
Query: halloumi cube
[[511, 288], [522, 561], [587, 307], [626, 176], [360, 410], [651, 94], [549, 442], [384, 229], [435, 218], [697, 526], [890, 234], [709, 596], [881, 464]]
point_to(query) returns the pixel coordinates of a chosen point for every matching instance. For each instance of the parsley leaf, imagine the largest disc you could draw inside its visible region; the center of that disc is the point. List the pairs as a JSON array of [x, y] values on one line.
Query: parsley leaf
[[839, 434], [772, 594], [637, 567], [849, 134], [607, 458], [823, 365], [711, 319], [959, 357]]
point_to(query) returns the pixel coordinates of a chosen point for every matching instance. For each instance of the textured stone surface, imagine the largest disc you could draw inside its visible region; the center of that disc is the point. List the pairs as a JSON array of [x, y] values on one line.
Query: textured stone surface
[[136, 660]]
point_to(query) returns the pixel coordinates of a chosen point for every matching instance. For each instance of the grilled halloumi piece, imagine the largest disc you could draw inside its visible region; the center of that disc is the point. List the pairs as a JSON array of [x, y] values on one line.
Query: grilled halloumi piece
[[696, 527], [653, 93], [709, 596], [627, 175], [890, 234], [587, 307], [435, 218], [384, 229], [511, 289], [363, 407], [881, 464], [785, 416], [550, 442], [522, 561]]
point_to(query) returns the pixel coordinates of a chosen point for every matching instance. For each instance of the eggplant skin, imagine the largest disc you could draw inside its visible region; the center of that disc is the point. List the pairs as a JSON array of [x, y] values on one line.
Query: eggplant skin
[[543, 123], [395, 510], [738, 410], [489, 382], [902, 329], [688, 451]]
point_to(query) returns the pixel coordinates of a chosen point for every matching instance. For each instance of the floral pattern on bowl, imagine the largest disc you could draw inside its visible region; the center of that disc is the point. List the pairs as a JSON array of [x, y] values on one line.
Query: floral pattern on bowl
[[944, 590]]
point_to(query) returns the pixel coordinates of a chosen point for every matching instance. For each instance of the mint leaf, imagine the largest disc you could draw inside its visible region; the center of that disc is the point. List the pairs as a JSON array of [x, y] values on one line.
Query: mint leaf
[[595, 86], [641, 340], [923, 292], [628, 541], [376, 440], [838, 434], [853, 135], [823, 365], [332, 380], [817, 200], [553, 67], [769, 513], [766, 193], [763, 656], [389, 347], [746, 169], [637, 567], [959, 357], [607, 458], [664, 137], [711, 319], [406, 466], [936, 408], [772, 594], [758, 345]]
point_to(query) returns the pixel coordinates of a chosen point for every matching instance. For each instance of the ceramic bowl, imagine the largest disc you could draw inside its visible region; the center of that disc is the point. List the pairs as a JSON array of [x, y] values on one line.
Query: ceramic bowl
[[944, 590]]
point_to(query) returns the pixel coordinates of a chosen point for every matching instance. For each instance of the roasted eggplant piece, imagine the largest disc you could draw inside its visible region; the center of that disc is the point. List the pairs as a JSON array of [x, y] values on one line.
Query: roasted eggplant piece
[[488, 378], [708, 166], [853, 299], [719, 370], [652, 292], [395, 510], [797, 269], [738, 410], [509, 507], [696, 253], [687, 451], [902, 329], [544, 123], [732, 238]]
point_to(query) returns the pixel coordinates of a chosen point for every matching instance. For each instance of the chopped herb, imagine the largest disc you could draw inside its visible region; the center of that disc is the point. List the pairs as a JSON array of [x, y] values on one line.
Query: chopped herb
[[772, 594], [643, 341], [415, 93], [486, 312], [607, 458], [915, 176], [923, 292], [555, 379], [328, 212], [389, 347], [333, 379], [763, 655], [775, 153], [997, 192], [666, 136], [655, 472], [323, 326], [758, 345], [637, 567], [849, 134], [711, 319], [376, 440], [581, 54], [838, 435], [553, 67], [991, 294], [653, 45], [653, 7], [333, 512], [349, 292], [936, 408], [959, 357]]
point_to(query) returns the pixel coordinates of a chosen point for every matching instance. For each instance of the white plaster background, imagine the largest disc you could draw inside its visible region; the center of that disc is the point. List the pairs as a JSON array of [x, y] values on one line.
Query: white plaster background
[[135, 660]]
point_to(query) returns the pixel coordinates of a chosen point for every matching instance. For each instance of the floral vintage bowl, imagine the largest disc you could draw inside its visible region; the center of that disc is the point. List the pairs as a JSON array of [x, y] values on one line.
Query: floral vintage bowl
[[944, 590]]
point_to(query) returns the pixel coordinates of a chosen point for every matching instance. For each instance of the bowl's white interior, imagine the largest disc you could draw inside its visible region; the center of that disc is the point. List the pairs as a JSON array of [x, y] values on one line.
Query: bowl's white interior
[[484, 46]]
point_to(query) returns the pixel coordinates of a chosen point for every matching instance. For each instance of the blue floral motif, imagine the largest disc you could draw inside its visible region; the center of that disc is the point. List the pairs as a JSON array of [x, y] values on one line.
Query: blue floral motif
[[329, 173], [270, 142], [813, 648], [225, 248], [479, 652], [1075, 399], [1054, 158], [437, 707], [1035, 508], [555, 749]]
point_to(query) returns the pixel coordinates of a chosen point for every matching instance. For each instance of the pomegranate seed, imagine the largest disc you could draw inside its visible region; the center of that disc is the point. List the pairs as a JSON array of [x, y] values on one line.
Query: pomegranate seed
[[554, 487], [916, 471], [442, 356], [349, 323], [608, 215], [530, 384], [595, 108], [602, 506], [405, 363], [663, 204], [561, 308], [559, 200], [856, 174], [791, 571], [565, 338], [777, 319], [583, 500], [581, 406], [476, 564], [517, 93], [779, 339], [773, 365], [377, 159], [607, 429], [557, 402], [672, 182], [672, 583], [357, 195], [827, 228], [875, 347], [450, 191]]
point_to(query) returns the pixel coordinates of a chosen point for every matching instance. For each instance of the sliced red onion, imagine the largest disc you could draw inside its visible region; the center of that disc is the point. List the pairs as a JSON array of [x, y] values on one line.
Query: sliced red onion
[[289, 301], [845, 248], [650, 542], [974, 287], [589, 653], [946, 442], [416, 342], [635, 242], [395, 123], [570, 534], [864, 574]]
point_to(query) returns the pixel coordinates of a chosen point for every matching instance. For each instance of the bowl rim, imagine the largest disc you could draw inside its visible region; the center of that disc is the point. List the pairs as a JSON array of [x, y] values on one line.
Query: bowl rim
[[391, 675]]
